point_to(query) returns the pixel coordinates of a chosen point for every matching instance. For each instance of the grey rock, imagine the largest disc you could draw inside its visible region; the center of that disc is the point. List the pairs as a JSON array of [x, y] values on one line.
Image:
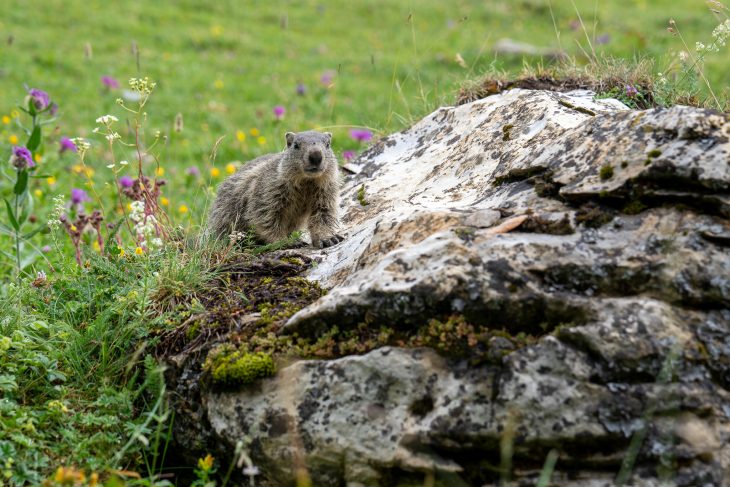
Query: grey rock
[[500, 211]]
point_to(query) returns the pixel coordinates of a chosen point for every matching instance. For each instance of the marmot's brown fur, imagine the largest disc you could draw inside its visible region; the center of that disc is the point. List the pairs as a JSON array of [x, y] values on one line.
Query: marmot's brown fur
[[276, 194]]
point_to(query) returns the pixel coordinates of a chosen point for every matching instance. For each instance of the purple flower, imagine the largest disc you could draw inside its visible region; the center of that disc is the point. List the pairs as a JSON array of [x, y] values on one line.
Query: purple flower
[[21, 158], [279, 112], [326, 78], [67, 144], [631, 91], [53, 110], [45, 249], [603, 39], [40, 98], [301, 89], [193, 171], [78, 196], [361, 135], [126, 182], [110, 82], [348, 154]]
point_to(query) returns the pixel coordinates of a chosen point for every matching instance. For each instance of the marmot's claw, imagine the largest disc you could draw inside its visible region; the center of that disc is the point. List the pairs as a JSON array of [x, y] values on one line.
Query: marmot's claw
[[298, 244], [329, 242]]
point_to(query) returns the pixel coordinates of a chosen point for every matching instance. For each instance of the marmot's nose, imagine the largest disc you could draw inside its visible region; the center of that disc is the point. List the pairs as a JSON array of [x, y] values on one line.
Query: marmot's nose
[[315, 158]]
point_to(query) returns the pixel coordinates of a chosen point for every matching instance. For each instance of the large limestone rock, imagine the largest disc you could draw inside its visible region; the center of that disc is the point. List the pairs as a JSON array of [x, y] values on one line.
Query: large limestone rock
[[601, 231]]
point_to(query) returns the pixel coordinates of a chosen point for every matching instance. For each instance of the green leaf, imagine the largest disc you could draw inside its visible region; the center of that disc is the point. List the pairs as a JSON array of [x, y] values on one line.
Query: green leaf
[[22, 183], [26, 210], [11, 216], [35, 231], [35, 139]]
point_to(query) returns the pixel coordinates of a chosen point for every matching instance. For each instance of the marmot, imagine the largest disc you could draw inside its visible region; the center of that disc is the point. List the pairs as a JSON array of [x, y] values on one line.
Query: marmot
[[276, 194]]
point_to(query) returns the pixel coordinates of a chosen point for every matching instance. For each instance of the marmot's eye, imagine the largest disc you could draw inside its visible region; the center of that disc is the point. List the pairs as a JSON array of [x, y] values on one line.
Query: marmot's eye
[[296, 146]]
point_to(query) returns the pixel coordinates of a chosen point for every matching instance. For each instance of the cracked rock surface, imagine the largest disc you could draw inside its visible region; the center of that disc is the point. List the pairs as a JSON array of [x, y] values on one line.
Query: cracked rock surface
[[602, 231]]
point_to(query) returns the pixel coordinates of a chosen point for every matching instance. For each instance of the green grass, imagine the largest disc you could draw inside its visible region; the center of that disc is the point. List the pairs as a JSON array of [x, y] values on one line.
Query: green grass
[[75, 386]]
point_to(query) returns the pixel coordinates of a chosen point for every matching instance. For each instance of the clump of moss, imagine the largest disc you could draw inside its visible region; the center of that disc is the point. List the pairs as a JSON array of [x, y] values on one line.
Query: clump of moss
[[593, 216], [361, 196], [506, 131], [634, 208], [624, 164], [654, 153], [230, 366], [606, 172]]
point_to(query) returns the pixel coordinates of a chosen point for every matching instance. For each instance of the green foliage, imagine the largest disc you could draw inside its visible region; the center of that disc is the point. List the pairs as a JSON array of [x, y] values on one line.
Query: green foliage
[[230, 366], [606, 172]]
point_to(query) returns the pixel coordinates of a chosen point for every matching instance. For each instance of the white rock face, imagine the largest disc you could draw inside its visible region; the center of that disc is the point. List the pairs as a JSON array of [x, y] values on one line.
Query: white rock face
[[592, 237]]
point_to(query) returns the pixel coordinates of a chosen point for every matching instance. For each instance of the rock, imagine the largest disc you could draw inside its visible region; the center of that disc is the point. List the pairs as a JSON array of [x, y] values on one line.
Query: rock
[[595, 303]]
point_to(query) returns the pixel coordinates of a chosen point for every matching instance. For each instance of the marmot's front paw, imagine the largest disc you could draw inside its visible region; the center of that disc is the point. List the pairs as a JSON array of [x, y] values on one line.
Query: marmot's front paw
[[329, 242]]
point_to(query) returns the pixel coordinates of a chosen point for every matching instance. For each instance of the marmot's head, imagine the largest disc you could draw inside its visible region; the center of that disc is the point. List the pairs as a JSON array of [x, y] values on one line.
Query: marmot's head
[[311, 153]]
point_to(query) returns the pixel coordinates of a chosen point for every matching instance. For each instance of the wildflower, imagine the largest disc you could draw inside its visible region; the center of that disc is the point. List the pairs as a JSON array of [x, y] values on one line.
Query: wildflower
[[113, 136], [603, 39], [110, 82], [37, 157], [51, 180], [164, 201], [361, 135], [230, 168], [326, 78], [279, 112], [67, 145], [301, 89], [56, 405], [215, 172], [123, 163], [255, 132], [78, 196], [38, 98], [121, 252], [348, 154], [160, 171], [631, 91], [142, 86], [183, 209], [45, 249], [107, 119], [81, 145], [218, 84], [21, 158], [126, 182], [38, 193], [240, 135], [261, 140], [193, 171], [216, 30], [13, 139], [139, 251], [205, 464], [6, 119]]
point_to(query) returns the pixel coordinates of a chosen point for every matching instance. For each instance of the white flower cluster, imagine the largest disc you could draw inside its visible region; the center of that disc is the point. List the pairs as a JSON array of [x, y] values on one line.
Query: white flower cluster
[[237, 236], [721, 33], [54, 220], [81, 146], [107, 119], [145, 226], [142, 86]]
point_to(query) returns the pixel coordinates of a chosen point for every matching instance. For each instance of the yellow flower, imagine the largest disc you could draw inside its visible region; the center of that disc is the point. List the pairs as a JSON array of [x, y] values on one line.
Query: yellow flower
[[216, 30], [261, 140], [51, 180], [94, 479], [218, 84], [6, 119], [38, 193], [205, 464], [182, 209], [121, 252], [255, 132], [96, 247], [15, 114], [129, 206], [73, 228], [164, 201], [13, 139], [37, 157], [240, 135], [77, 168], [160, 171], [230, 168], [88, 171], [139, 251], [215, 172]]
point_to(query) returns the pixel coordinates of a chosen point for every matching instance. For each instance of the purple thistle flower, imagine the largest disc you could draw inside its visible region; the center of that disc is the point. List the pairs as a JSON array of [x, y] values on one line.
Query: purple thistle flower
[[67, 145], [193, 171], [21, 158], [348, 154], [326, 78], [126, 182], [40, 98], [279, 112], [631, 91], [78, 196], [301, 89], [110, 82], [361, 135]]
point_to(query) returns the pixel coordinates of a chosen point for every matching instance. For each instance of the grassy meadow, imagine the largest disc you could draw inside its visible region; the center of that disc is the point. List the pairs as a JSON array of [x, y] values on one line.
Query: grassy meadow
[[77, 386]]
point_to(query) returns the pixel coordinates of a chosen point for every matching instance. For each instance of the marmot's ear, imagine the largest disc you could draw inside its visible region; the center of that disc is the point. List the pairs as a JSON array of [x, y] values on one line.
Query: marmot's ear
[[289, 138], [328, 136]]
